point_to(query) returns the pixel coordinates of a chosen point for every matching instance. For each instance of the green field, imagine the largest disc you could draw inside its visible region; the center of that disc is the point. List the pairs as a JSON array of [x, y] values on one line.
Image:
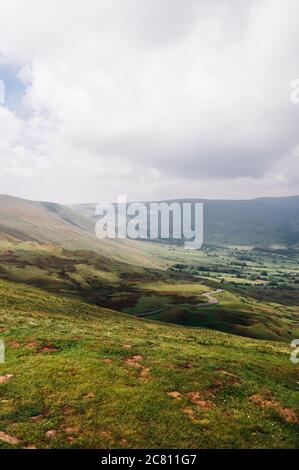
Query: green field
[[78, 375]]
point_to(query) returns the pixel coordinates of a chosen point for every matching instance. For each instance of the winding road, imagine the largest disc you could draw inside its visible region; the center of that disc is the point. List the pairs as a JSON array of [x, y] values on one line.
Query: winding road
[[211, 299]]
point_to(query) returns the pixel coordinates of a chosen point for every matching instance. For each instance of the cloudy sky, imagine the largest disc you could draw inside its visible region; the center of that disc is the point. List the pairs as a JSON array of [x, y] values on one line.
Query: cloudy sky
[[149, 98]]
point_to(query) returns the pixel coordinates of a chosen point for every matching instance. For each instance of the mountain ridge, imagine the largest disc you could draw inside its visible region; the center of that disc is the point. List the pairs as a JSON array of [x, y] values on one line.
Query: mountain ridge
[[270, 222], [261, 222]]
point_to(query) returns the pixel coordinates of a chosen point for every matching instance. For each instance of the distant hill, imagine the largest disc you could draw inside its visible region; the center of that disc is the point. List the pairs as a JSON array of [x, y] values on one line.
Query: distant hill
[[43, 222], [263, 222], [47, 222]]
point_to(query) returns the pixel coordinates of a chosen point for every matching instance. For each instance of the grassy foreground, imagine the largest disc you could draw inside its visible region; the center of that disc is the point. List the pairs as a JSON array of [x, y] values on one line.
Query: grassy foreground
[[77, 375]]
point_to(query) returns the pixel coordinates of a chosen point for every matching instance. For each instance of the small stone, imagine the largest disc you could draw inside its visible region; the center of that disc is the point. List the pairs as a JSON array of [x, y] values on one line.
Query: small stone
[[51, 434], [5, 378]]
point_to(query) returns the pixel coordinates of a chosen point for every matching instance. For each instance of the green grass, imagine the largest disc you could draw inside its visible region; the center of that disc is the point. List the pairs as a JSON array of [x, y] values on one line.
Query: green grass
[[235, 313], [80, 374], [73, 373], [172, 297]]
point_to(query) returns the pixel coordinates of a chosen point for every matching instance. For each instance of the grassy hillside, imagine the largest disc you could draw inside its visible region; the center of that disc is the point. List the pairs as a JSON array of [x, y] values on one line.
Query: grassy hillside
[[41, 222], [46, 222], [232, 313], [78, 375], [263, 222], [82, 371], [173, 297]]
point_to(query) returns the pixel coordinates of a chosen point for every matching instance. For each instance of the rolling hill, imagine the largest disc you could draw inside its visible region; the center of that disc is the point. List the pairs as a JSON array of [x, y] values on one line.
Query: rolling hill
[[263, 222], [46, 222], [53, 247], [82, 376], [82, 371]]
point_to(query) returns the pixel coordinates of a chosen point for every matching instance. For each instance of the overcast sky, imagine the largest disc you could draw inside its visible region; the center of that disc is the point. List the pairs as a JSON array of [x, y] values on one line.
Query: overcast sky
[[149, 98]]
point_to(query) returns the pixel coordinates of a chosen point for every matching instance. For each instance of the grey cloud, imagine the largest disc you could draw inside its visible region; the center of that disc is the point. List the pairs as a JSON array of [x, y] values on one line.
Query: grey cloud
[[178, 91]]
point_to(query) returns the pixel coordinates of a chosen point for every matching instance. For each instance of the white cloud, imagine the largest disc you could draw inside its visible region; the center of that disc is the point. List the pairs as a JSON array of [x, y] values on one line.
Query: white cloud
[[152, 99]]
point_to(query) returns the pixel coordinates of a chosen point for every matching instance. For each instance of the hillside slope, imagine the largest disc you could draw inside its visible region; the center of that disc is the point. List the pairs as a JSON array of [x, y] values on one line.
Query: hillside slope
[[46, 222], [166, 296], [260, 222], [81, 376]]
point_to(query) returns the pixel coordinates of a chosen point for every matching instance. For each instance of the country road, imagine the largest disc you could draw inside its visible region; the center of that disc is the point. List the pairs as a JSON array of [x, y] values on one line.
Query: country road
[[148, 314], [211, 299]]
